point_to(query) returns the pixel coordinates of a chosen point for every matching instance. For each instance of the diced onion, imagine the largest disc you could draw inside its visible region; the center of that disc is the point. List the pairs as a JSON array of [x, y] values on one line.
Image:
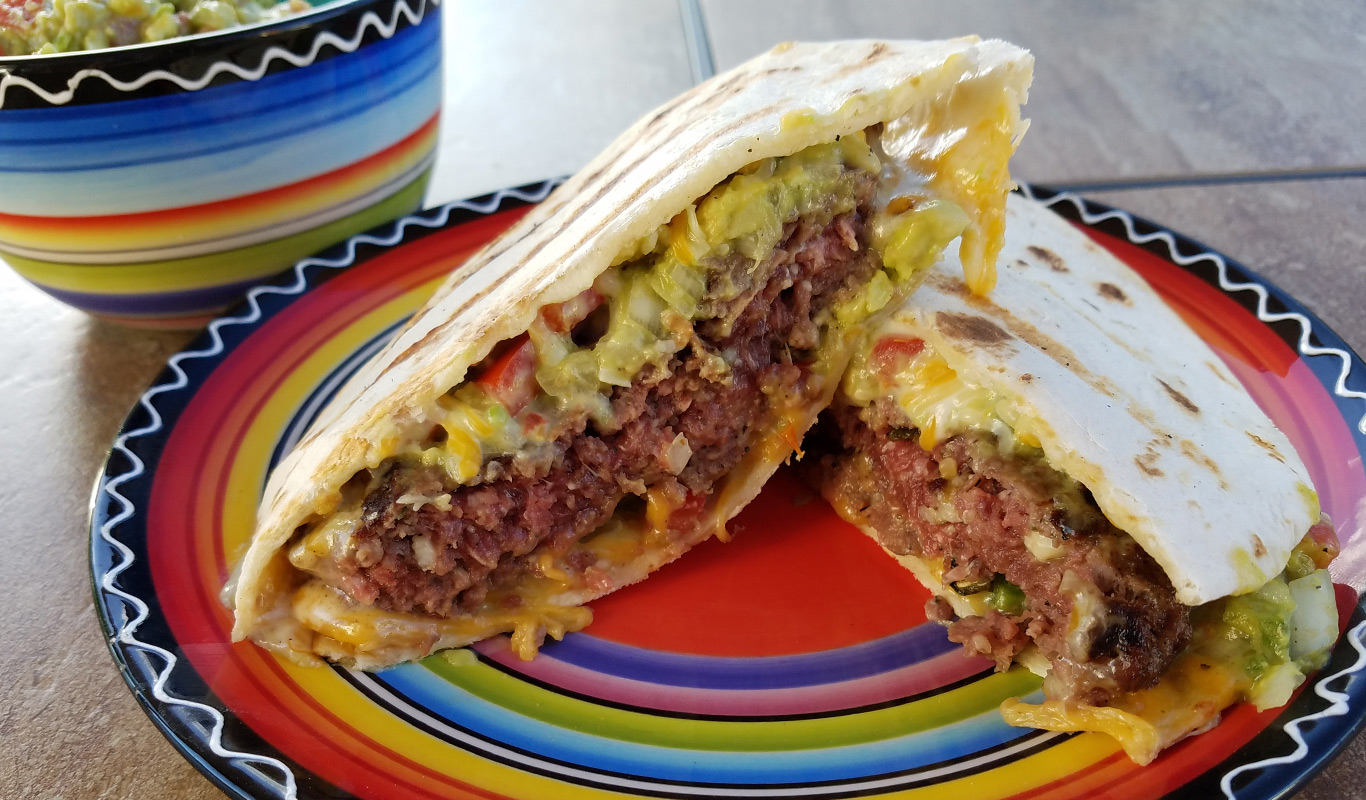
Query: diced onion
[[423, 551], [677, 454], [1274, 687], [1314, 624], [1041, 546]]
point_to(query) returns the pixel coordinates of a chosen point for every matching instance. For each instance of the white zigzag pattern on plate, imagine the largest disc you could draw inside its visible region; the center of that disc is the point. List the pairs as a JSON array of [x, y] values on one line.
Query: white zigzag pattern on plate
[[127, 631], [1263, 313], [248, 761], [1338, 700], [1338, 708], [368, 21]]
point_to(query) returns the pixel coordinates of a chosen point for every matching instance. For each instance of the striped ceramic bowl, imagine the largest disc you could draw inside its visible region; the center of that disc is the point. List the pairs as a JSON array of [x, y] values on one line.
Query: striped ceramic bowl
[[153, 184]]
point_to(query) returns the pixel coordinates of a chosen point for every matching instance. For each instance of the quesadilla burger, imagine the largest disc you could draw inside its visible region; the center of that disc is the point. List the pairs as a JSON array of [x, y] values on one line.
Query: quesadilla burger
[[1086, 489], [608, 382]]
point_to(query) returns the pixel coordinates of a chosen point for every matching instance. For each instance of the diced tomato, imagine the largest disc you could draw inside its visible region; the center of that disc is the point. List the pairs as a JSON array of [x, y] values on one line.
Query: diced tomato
[[17, 15], [685, 515], [1326, 546], [562, 317], [534, 425], [512, 378], [893, 351], [898, 347]]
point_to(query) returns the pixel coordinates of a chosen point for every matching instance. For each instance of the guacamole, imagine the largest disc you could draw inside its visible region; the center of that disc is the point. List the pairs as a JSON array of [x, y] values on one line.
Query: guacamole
[[40, 27]]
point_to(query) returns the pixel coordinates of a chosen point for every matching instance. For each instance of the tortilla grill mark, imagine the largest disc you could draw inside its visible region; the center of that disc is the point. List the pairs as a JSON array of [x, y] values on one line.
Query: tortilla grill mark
[[1026, 378], [1190, 450], [545, 240], [1218, 373], [1144, 415], [1112, 292], [1108, 330], [1143, 462], [578, 186], [632, 198], [1267, 446], [581, 188], [947, 284], [552, 204], [570, 219], [710, 98], [1138, 353], [1181, 399], [727, 85], [458, 281], [1060, 353], [587, 181], [1258, 546], [706, 102], [1052, 259], [876, 53], [972, 329], [654, 120], [1027, 333]]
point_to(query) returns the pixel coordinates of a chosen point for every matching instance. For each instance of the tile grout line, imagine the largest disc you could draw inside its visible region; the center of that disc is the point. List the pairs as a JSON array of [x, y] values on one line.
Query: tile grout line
[[1216, 179], [700, 57]]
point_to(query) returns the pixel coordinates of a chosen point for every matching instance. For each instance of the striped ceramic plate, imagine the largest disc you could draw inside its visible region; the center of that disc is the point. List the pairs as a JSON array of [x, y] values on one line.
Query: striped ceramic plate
[[794, 661]]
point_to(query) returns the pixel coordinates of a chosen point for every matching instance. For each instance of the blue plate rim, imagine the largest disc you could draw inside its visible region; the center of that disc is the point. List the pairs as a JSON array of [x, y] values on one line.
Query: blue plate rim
[[196, 728]]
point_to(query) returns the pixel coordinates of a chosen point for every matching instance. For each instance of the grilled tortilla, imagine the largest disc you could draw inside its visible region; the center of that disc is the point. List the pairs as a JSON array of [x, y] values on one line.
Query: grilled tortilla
[[1088, 490], [611, 380]]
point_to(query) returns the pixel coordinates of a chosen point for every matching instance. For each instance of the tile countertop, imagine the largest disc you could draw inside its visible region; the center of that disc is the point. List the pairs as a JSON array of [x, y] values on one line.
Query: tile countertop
[[1228, 121]]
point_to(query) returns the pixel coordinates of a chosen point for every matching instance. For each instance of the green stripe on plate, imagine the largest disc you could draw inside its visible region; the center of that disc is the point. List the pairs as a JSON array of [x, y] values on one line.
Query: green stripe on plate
[[552, 708]]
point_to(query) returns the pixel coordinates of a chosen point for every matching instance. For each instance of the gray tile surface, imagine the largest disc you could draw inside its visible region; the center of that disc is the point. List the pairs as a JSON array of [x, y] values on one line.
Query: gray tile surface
[[1306, 236], [1129, 89], [69, 727], [536, 89]]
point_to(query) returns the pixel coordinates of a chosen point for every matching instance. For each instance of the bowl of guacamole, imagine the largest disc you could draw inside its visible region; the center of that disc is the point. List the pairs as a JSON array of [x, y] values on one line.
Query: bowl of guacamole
[[42, 27], [159, 158]]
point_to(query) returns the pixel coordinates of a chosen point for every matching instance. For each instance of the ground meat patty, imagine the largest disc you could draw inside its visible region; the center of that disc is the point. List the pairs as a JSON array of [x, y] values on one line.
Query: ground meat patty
[[970, 508], [440, 560]]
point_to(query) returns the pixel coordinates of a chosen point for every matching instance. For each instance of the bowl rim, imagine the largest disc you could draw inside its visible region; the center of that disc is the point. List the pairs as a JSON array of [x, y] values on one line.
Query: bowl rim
[[194, 61], [263, 25]]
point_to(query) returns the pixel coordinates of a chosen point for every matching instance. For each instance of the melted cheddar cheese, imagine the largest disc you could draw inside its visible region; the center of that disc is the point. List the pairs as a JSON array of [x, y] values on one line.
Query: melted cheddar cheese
[[927, 196], [936, 400], [1256, 647]]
